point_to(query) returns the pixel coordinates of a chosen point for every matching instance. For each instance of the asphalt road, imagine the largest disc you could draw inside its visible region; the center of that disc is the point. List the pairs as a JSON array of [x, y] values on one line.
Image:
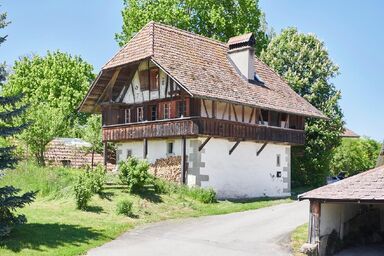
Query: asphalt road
[[258, 232]]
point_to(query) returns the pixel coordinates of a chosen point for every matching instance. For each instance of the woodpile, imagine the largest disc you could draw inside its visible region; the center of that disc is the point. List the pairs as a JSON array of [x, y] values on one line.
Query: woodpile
[[167, 168]]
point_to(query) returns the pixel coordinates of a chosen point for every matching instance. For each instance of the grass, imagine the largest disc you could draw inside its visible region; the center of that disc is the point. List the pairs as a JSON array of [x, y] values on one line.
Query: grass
[[56, 227], [298, 238]]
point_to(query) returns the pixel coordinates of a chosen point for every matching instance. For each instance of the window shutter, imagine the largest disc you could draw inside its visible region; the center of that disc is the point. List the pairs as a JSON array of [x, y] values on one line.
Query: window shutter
[[144, 80]]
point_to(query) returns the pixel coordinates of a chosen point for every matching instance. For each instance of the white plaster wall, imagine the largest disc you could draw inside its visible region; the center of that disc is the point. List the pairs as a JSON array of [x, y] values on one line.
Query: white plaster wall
[[334, 215], [156, 149], [243, 174]]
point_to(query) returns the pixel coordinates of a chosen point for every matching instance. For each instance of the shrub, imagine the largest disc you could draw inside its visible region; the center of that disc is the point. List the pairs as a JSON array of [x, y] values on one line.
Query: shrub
[[96, 179], [134, 174], [83, 192], [124, 207], [203, 195]]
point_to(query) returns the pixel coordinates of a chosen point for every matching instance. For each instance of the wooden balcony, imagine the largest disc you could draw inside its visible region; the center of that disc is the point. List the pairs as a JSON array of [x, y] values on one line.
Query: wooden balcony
[[195, 126]]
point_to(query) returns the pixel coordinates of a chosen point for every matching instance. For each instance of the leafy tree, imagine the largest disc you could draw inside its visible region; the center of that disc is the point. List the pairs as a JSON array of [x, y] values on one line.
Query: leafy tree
[[58, 80], [54, 86], [134, 173], [9, 198], [303, 61], [216, 19], [92, 134], [354, 156], [46, 123]]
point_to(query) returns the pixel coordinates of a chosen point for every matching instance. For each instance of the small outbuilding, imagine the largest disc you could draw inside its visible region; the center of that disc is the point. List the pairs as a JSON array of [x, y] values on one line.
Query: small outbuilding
[[351, 210], [71, 152]]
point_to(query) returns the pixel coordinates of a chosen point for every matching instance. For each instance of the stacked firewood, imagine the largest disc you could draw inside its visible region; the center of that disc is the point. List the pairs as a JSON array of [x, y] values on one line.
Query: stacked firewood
[[167, 168]]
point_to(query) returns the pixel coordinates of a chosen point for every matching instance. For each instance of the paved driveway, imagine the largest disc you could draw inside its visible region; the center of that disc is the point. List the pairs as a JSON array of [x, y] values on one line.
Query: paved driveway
[[258, 232]]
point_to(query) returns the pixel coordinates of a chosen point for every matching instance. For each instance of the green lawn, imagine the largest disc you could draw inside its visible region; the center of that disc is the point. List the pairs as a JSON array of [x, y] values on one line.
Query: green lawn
[[298, 238], [56, 227]]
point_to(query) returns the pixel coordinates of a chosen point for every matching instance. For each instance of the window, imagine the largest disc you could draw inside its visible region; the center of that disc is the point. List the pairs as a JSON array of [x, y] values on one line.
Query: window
[[275, 118], [127, 116], [144, 80], [181, 109], [149, 79], [167, 111], [284, 120], [169, 148], [278, 160], [154, 79], [140, 114], [129, 153], [264, 115], [153, 110]]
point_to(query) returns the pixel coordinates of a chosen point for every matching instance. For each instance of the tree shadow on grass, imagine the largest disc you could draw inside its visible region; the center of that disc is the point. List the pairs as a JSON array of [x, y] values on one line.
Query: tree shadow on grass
[[106, 195], [150, 195], [95, 209], [39, 237]]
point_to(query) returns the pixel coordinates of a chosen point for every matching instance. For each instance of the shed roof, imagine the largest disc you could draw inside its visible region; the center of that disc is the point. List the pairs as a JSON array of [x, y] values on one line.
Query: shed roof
[[363, 187], [349, 134], [201, 66]]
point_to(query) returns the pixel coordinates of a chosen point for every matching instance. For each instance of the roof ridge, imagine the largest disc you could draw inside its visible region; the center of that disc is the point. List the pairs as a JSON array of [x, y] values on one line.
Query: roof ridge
[[126, 44], [189, 33]]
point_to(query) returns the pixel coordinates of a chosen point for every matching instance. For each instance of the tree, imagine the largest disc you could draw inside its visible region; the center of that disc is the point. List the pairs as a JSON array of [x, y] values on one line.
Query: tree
[[46, 123], [58, 80], [303, 61], [215, 19], [54, 86], [354, 156], [9, 198], [92, 134]]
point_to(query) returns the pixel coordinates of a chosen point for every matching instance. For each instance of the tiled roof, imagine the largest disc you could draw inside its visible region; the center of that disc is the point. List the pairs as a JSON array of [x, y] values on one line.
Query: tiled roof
[[349, 133], [366, 186], [239, 39], [201, 66]]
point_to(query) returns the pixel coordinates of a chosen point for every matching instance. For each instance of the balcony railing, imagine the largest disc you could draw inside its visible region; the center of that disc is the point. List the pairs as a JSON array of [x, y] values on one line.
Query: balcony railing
[[194, 126]]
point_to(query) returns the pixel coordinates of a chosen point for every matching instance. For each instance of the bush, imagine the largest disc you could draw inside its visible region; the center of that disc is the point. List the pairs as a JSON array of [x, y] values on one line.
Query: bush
[[203, 195], [83, 192], [96, 179], [124, 207], [134, 174]]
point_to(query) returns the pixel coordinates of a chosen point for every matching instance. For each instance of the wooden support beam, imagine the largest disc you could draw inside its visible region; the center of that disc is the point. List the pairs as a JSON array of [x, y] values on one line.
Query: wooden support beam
[[225, 111], [242, 113], [183, 159], [213, 109], [234, 113], [203, 144], [261, 149], [250, 118], [108, 89], [314, 222], [145, 148], [205, 108], [234, 147]]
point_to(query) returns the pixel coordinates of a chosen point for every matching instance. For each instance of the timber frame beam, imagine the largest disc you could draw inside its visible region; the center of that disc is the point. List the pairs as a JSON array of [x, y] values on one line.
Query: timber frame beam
[[203, 144], [234, 146], [261, 149]]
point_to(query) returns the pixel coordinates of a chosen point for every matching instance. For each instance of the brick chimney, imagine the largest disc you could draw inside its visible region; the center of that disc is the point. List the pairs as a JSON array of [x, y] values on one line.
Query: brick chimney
[[242, 55]]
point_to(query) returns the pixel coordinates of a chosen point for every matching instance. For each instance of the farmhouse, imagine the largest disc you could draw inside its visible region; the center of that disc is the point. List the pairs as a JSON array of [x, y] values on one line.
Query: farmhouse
[[226, 116]]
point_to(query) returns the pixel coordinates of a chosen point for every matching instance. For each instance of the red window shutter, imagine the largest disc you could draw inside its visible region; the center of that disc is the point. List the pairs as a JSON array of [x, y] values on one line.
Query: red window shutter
[[154, 79], [187, 113], [172, 105], [160, 111], [144, 80]]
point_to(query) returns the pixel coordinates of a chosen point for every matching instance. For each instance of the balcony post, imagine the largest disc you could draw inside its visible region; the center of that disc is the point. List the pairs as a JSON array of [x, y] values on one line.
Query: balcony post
[[183, 160], [145, 148]]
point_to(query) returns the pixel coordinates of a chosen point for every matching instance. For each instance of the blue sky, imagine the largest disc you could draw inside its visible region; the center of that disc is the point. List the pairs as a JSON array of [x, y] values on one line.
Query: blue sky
[[352, 31]]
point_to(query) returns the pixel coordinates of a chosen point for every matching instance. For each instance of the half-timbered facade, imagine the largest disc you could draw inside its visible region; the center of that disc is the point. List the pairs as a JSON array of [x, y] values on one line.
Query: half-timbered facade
[[229, 118]]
